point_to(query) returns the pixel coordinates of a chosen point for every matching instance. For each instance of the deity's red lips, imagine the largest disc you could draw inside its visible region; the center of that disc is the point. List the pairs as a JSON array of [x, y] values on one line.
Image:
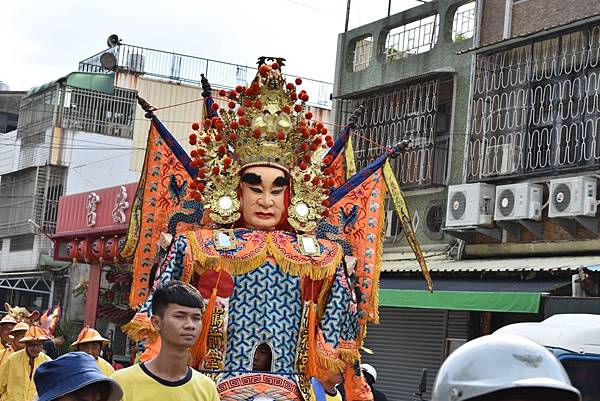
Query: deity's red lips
[[264, 215]]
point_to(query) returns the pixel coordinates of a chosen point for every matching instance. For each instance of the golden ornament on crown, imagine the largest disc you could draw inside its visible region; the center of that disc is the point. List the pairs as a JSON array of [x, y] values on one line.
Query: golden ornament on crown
[[265, 124]]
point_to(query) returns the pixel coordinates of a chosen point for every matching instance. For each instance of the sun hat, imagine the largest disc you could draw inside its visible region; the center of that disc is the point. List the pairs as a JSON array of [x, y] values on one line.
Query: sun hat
[[89, 335], [35, 333], [69, 373], [8, 319]]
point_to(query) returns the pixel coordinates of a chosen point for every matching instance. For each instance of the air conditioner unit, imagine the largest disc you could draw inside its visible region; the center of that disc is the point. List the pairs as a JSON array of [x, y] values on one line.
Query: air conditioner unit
[[470, 205], [575, 196], [518, 201], [499, 159]]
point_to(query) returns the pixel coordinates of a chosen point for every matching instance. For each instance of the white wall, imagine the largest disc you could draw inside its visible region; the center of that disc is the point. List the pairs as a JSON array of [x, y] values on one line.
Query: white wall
[[97, 161]]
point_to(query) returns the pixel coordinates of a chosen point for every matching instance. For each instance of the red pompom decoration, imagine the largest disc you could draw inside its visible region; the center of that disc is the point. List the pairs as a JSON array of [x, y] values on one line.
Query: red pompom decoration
[[280, 136], [324, 131], [325, 203], [293, 96], [264, 69], [220, 126], [247, 103], [316, 181], [327, 160], [275, 66], [222, 92], [194, 153], [234, 125], [308, 115], [297, 108], [215, 170], [215, 106], [218, 137], [206, 139], [227, 160], [304, 146], [303, 166], [193, 185], [318, 140], [313, 147], [327, 170], [201, 151], [325, 213], [201, 186], [304, 98], [221, 149], [286, 109], [193, 136], [258, 104], [239, 89], [232, 137], [313, 131], [307, 157], [195, 126], [298, 81], [290, 86], [193, 141], [307, 177], [241, 112], [243, 121], [319, 125], [207, 123], [231, 105], [201, 174], [257, 133]]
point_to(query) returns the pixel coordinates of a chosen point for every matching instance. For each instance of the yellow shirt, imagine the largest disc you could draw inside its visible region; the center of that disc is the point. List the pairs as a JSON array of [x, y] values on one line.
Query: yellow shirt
[[4, 354], [16, 377], [105, 367], [139, 384]]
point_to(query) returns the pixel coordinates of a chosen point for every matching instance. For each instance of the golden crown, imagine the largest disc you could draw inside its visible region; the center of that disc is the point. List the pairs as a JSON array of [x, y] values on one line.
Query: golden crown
[[264, 124]]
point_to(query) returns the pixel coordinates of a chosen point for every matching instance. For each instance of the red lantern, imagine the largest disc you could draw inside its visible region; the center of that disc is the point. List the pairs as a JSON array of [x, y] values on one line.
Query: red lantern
[[71, 249], [82, 249], [111, 248], [98, 248]]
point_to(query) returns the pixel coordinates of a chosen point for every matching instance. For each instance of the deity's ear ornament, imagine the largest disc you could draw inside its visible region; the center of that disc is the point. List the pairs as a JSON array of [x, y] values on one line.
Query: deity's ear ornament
[[265, 124]]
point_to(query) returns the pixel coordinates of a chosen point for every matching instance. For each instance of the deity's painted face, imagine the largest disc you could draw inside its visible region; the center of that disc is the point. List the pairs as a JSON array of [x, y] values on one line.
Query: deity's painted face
[[263, 196]]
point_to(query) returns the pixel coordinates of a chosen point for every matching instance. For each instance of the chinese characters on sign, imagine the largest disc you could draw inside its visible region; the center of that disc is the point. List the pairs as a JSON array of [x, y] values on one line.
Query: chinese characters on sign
[[92, 202]]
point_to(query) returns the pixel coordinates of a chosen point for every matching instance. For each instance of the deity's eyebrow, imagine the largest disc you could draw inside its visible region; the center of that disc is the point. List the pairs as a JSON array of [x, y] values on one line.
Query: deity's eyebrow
[[281, 181], [251, 178]]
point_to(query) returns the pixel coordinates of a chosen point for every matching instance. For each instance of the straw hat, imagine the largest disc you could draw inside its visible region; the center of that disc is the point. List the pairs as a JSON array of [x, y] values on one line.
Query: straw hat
[[89, 335], [35, 333], [21, 326], [8, 319]]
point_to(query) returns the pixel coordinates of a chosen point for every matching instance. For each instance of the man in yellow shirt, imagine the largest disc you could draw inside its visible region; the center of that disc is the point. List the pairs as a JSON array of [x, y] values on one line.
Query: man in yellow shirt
[[16, 375], [17, 333], [176, 315], [90, 342], [6, 325]]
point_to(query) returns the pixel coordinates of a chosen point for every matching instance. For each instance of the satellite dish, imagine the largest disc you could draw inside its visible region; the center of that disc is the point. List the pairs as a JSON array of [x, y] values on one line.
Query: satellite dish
[[113, 40], [108, 61]]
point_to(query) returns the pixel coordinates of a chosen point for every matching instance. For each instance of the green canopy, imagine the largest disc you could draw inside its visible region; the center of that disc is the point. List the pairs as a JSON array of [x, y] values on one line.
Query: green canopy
[[520, 302], [104, 83]]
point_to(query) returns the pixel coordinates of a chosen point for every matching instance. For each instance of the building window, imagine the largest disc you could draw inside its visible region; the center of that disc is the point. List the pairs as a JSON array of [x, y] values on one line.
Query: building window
[[363, 49], [536, 108], [420, 113], [21, 243], [463, 23], [414, 38]]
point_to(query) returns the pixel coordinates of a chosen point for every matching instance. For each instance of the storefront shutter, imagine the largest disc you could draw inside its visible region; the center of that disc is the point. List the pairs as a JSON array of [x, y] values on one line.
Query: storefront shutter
[[408, 340]]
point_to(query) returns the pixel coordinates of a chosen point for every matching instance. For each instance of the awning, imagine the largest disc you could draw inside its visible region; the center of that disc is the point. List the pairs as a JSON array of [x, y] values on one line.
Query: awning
[[406, 262], [469, 295], [518, 302], [84, 80]]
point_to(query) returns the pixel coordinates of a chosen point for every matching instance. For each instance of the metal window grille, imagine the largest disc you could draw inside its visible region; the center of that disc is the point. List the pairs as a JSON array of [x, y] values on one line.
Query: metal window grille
[[536, 108], [184, 68], [97, 112], [21, 243], [414, 38], [419, 112], [32, 193], [37, 113], [363, 50], [463, 23]]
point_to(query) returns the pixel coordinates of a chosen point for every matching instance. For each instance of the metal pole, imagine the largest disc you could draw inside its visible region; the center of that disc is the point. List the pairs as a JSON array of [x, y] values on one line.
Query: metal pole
[[51, 296], [347, 16], [389, 7]]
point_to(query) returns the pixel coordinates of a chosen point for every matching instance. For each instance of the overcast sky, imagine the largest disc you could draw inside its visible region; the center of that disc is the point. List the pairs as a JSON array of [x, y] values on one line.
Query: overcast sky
[[45, 39]]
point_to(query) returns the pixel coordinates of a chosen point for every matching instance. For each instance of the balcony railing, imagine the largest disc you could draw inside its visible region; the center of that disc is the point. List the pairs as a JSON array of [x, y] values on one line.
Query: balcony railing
[[536, 108], [184, 68]]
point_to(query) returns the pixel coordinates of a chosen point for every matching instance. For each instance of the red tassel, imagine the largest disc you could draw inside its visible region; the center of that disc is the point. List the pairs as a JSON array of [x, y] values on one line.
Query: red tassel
[[199, 349], [311, 368]]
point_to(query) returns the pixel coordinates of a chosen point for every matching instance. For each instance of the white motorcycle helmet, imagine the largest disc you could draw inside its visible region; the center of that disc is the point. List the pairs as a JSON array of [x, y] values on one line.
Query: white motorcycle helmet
[[499, 362]]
